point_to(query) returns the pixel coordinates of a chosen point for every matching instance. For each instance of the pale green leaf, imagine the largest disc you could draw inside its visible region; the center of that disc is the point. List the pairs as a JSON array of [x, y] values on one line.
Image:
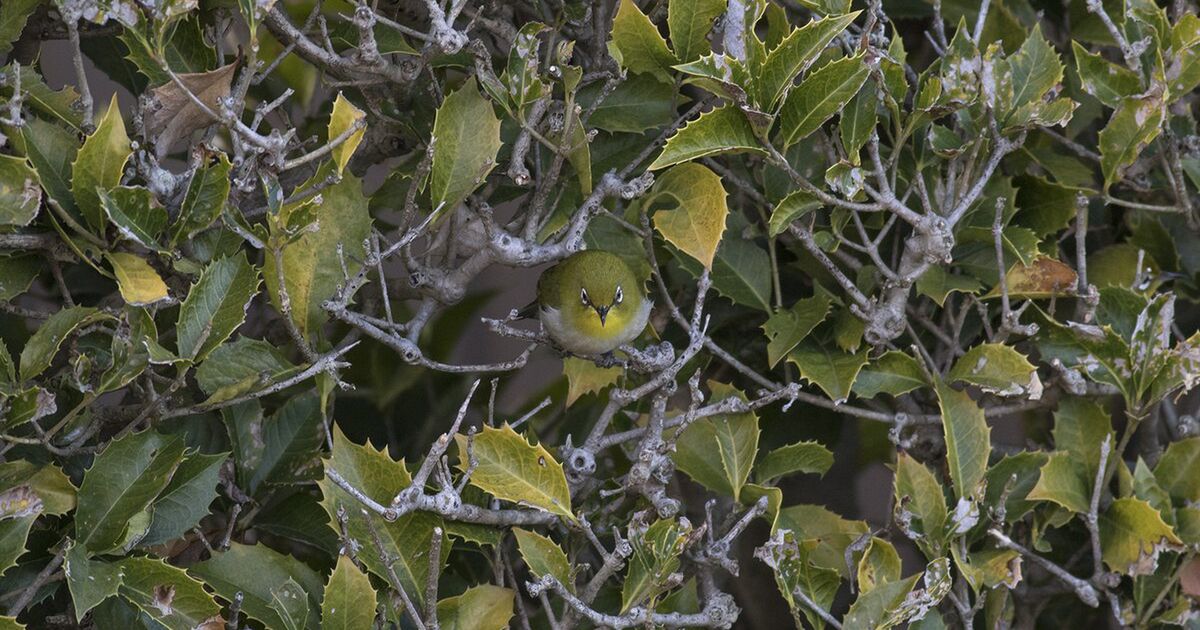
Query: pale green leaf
[[585, 377], [100, 164], [1036, 69], [832, 370], [215, 306], [39, 351], [1063, 481], [790, 208], [790, 558], [966, 435], [20, 192], [637, 43], [1176, 470], [349, 602], [858, 121], [512, 469], [718, 452], [787, 328], [1132, 535], [803, 457], [348, 120], [919, 495], [205, 198], [139, 283], [689, 22], [466, 137], [879, 565], [1110, 83], [875, 608], [544, 556], [893, 373], [482, 607], [48, 482], [136, 213], [1080, 426], [1136, 122], [241, 366], [721, 130], [695, 226], [997, 369], [655, 556], [822, 94], [832, 533]]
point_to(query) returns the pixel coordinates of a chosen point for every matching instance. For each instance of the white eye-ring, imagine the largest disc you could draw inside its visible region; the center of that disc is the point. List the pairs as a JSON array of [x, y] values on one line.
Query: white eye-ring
[[583, 297], [618, 296]]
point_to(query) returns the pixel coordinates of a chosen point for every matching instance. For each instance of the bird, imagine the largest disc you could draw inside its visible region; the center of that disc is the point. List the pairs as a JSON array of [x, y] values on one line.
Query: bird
[[591, 303]]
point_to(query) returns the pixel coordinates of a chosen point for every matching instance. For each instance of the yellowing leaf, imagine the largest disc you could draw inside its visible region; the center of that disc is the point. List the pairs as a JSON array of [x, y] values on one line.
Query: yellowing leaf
[[466, 139], [483, 607], [1132, 535], [99, 164], [966, 433], [1134, 125], [695, 226], [637, 44], [585, 377], [512, 469], [544, 556], [1044, 278], [349, 602], [345, 119], [139, 282], [1063, 480], [998, 369], [721, 130]]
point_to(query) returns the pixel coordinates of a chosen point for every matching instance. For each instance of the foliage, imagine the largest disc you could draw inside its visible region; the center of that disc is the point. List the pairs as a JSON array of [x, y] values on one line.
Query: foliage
[[246, 253]]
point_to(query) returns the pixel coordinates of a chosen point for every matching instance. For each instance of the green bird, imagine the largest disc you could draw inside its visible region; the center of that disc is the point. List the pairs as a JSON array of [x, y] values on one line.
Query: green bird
[[591, 303]]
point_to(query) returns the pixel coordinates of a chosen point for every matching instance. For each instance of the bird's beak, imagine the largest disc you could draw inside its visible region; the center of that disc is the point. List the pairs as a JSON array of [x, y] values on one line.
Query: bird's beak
[[602, 311]]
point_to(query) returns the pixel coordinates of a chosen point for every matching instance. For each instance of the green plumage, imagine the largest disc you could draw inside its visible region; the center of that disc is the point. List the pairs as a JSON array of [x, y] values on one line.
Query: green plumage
[[592, 302]]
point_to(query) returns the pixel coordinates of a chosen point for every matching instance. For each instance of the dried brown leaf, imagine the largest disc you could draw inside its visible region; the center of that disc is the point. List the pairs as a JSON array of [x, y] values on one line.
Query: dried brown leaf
[[172, 115]]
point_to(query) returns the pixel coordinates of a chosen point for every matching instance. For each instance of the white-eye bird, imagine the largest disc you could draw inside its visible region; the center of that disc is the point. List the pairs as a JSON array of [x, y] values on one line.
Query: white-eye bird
[[591, 303]]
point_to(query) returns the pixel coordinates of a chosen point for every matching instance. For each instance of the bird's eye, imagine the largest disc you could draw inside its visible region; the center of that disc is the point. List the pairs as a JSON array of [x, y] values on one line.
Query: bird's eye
[[618, 296], [583, 297]]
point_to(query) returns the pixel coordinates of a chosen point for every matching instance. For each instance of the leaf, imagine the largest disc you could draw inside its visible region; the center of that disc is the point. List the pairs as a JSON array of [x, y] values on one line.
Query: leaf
[[100, 164], [787, 328], [873, 608], [1176, 470], [282, 449], [51, 149], [893, 373], [312, 267], [966, 435], [290, 602], [718, 452], [89, 582], [342, 120], [139, 283], [1063, 481], [789, 557], [790, 208], [1022, 471], [1132, 535], [512, 469], [59, 104], [1135, 123], [921, 504], [13, 16], [818, 97], [407, 539], [1108, 82], [858, 121], [466, 137], [349, 601], [185, 500], [937, 284], [689, 22], [695, 226], [123, 481], [1036, 69], [20, 192], [482, 607], [39, 351], [656, 552], [637, 45], [1080, 426], [638, 103], [998, 369], [879, 565], [241, 366], [17, 273], [136, 213], [173, 116], [804, 457], [1045, 277], [795, 54], [832, 533], [741, 271], [833, 371], [14, 532], [48, 482], [257, 571], [215, 305], [544, 556], [585, 377], [168, 594], [721, 130], [205, 198]]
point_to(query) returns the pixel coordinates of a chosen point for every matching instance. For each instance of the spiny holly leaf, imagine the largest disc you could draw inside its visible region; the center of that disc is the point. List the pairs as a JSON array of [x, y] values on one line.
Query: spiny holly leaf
[[921, 503], [544, 556], [350, 121], [483, 607], [1108, 82], [689, 22], [718, 452], [790, 208], [998, 369], [832, 533], [1036, 69], [585, 377], [205, 198], [89, 581], [240, 366], [139, 283], [1176, 470], [803, 457], [655, 556], [722, 130], [512, 469], [185, 500], [696, 225], [832, 370], [349, 601], [281, 449], [466, 140], [636, 44], [793, 55], [1134, 125], [51, 149], [966, 434], [1132, 535], [168, 595], [1080, 426], [257, 572], [893, 373], [819, 96], [936, 283], [1014, 477], [39, 351], [13, 16], [99, 164], [215, 306], [789, 557], [1063, 481], [20, 194], [787, 328], [136, 213]]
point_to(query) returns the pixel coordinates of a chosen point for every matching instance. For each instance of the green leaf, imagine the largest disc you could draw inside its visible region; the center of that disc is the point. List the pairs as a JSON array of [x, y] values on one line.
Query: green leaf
[[695, 226], [512, 469], [1110, 83], [167, 594], [20, 192], [51, 149], [689, 22], [14, 532], [789, 557], [919, 496], [1063, 481], [1176, 470], [833, 371], [139, 283], [100, 164], [17, 273], [998, 369], [804, 457], [122, 482], [741, 271], [1036, 69], [585, 377], [790, 208], [349, 602], [241, 366], [1022, 471], [718, 452], [893, 373], [638, 103], [787, 328], [937, 284], [312, 267], [205, 198], [1132, 535], [637, 45], [60, 104], [407, 539], [90, 582], [656, 552], [721, 130], [832, 533], [281, 449], [185, 500], [858, 121], [482, 607], [215, 306], [1134, 125], [544, 556], [136, 213], [257, 571], [342, 120], [39, 351], [1080, 426], [822, 94], [48, 482], [879, 565], [966, 435], [793, 55], [290, 602], [13, 16], [875, 608], [466, 137]]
